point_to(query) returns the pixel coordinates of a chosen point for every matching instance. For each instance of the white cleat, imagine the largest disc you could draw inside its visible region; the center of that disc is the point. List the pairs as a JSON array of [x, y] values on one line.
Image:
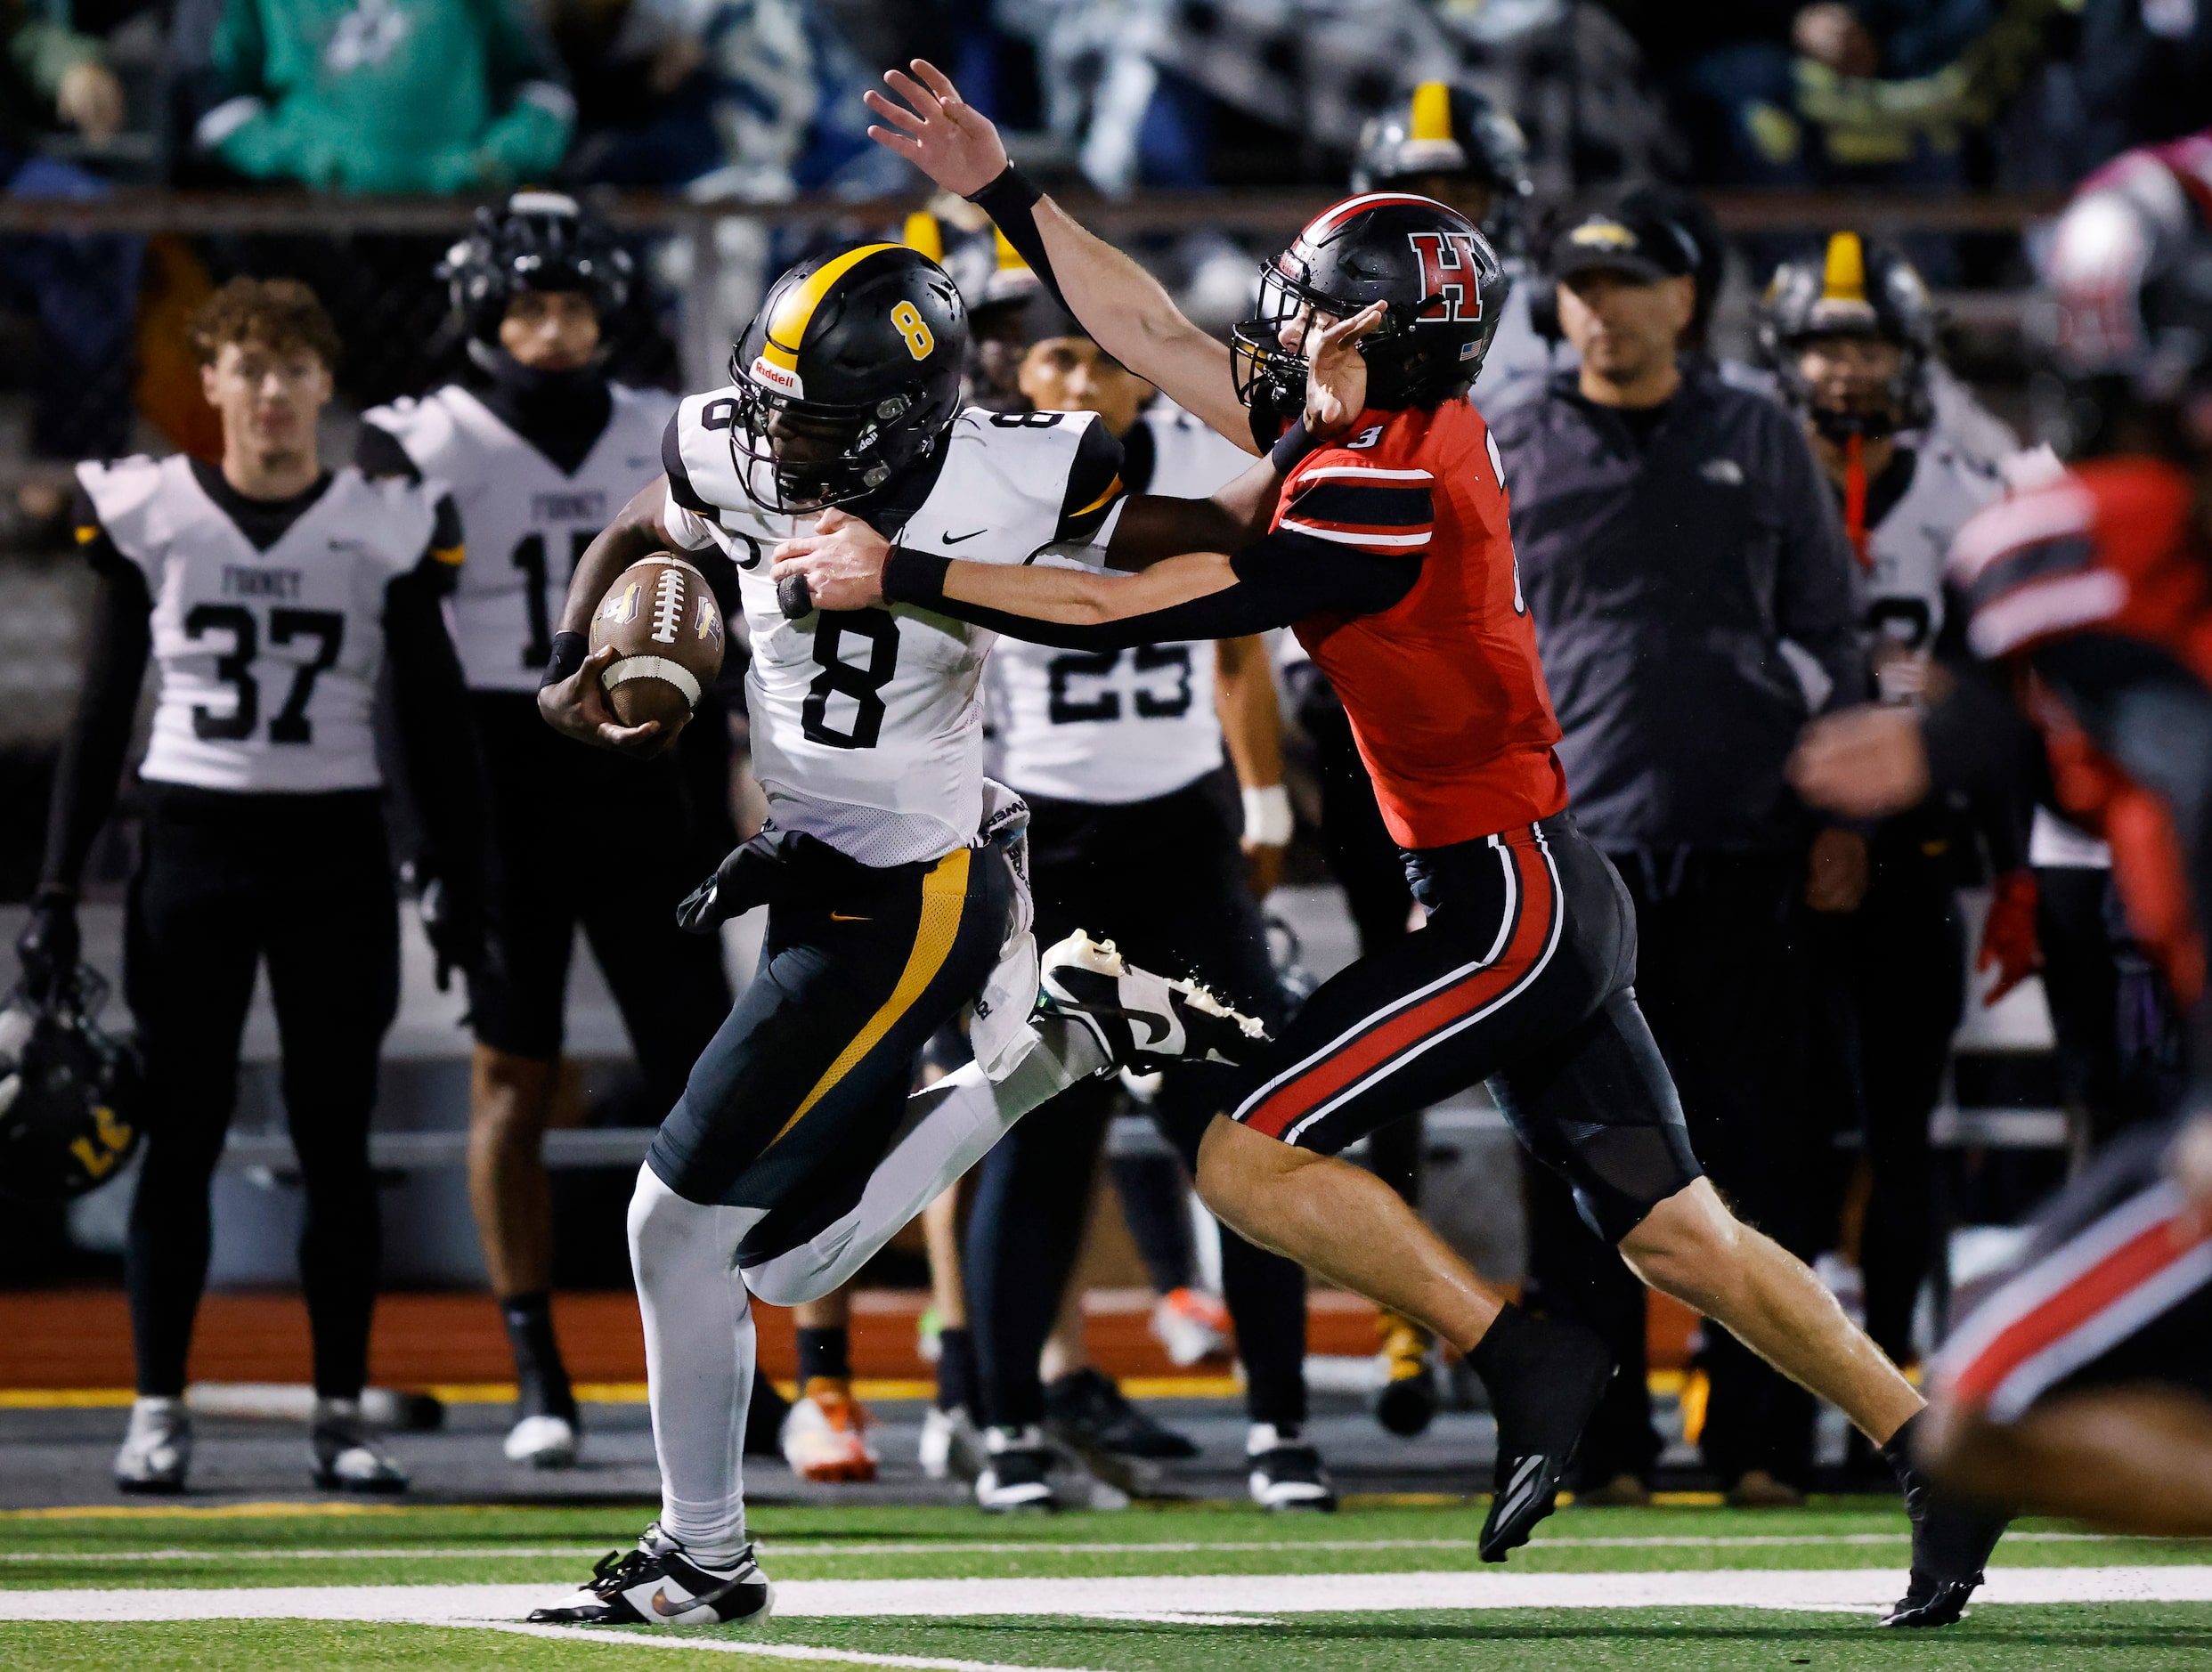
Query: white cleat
[[952, 1449], [1144, 1022], [156, 1448], [658, 1584], [347, 1455], [825, 1437], [543, 1442]]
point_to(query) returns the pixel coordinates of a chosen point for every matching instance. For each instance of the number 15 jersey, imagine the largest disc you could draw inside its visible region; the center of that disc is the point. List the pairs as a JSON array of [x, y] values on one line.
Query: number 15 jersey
[[867, 724]]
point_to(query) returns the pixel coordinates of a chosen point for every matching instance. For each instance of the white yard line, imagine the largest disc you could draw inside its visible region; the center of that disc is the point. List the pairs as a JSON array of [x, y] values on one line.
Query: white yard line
[[925, 1548], [766, 1650], [1242, 1594]]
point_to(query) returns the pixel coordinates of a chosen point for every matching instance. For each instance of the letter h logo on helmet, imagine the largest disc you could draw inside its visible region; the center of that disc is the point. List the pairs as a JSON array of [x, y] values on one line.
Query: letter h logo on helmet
[[1450, 279]]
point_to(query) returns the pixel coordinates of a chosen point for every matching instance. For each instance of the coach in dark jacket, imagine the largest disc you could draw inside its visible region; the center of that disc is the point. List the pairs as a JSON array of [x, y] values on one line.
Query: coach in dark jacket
[[1691, 589]]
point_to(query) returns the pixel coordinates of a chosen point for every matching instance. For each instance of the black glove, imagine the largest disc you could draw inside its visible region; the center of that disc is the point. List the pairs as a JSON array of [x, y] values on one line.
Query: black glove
[[452, 918], [50, 947]]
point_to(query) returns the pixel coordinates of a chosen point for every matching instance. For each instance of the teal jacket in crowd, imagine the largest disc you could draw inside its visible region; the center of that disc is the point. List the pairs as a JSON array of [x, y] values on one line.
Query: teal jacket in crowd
[[386, 96]]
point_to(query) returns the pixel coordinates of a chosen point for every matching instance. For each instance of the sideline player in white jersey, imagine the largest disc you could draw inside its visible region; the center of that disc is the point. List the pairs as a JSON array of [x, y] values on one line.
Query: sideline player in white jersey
[[271, 595], [540, 449], [1852, 338], [889, 865], [1134, 821]]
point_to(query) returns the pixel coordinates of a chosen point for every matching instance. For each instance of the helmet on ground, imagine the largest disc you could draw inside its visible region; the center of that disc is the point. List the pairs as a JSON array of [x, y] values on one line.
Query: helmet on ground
[[1446, 132], [848, 375], [2125, 324], [1857, 290], [536, 240], [1438, 275], [68, 1093]]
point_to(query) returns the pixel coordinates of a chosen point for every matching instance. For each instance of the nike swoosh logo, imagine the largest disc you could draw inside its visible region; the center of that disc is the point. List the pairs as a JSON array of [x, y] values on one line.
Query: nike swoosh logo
[[840, 917], [667, 1610], [953, 540]]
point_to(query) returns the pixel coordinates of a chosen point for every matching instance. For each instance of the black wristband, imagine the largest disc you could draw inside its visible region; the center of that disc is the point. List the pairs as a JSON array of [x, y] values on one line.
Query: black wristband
[[1011, 189], [914, 577], [569, 650], [1294, 449], [1011, 201]]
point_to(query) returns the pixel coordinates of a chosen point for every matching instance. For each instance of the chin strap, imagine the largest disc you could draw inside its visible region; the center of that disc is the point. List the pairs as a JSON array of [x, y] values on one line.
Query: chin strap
[[1855, 497]]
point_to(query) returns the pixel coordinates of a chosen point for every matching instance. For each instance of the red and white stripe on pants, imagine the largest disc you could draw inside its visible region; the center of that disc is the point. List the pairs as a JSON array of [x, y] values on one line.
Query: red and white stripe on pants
[[2076, 1304], [1397, 1031]]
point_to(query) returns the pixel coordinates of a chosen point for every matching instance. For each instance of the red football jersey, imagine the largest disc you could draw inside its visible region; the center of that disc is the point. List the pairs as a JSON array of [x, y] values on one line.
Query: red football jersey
[[1445, 691], [2110, 548]]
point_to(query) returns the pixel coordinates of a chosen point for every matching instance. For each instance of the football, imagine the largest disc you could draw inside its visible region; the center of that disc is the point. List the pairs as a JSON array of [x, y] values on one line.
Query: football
[[666, 628]]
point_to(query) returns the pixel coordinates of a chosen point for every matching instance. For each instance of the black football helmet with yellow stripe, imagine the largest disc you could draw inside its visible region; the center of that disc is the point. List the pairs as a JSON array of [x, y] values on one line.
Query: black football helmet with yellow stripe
[[847, 377], [1858, 288]]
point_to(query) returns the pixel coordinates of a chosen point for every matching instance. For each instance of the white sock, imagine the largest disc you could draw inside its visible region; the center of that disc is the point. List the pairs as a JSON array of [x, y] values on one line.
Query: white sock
[[948, 1128], [699, 1353]]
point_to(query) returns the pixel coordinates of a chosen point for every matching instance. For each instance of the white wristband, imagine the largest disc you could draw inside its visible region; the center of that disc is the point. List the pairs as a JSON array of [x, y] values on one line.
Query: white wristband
[[1267, 821]]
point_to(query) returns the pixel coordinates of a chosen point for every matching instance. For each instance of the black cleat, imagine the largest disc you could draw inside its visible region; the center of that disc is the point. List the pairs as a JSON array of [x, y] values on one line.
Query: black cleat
[[1089, 1413], [1287, 1474], [1015, 1463], [1951, 1541], [1408, 1401], [658, 1584], [1546, 1381]]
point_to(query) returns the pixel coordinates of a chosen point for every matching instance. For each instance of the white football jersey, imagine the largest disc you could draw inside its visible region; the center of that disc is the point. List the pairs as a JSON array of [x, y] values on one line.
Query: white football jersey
[[1903, 590], [1117, 726], [525, 519], [267, 660], [867, 728]]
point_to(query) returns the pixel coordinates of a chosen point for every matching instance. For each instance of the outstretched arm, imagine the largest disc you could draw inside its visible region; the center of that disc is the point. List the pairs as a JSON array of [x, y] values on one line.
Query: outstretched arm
[[1128, 312]]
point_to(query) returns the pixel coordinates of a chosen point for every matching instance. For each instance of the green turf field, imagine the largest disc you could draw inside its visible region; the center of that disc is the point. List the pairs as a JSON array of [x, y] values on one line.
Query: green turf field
[[1209, 1589]]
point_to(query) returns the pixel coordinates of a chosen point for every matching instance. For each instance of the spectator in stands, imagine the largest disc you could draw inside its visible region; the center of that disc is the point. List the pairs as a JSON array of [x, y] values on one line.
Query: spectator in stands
[[382, 95], [751, 99], [1672, 532], [2144, 71], [83, 290]]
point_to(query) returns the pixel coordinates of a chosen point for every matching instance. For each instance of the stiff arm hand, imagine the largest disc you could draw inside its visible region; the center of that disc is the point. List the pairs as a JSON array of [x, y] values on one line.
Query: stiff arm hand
[[1124, 308]]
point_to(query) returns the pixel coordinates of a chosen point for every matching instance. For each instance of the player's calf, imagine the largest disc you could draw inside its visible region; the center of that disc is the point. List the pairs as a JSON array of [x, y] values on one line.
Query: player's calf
[[1142, 1020]]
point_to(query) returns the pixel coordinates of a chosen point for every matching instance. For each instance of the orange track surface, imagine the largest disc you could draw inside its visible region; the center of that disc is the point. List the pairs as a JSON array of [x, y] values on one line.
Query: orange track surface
[[81, 1338]]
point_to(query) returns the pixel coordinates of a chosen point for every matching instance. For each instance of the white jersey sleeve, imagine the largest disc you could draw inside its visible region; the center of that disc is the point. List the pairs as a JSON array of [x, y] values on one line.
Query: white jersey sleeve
[[266, 659], [526, 521], [1903, 588], [867, 724]]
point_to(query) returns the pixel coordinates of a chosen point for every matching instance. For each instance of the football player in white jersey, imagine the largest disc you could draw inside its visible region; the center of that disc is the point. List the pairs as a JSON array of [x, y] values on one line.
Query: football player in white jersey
[[889, 865], [1852, 339], [540, 449], [269, 594], [1134, 821]]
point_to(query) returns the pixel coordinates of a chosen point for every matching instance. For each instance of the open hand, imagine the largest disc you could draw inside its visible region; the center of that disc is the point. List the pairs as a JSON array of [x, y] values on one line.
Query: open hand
[[1336, 372], [952, 143], [577, 706], [842, 561], [1862, 762]]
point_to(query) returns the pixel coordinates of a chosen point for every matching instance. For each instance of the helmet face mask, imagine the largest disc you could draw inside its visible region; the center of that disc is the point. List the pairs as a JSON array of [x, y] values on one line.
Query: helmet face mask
[[1442, 286], [1859, 293], [535, 241], [847, 377]]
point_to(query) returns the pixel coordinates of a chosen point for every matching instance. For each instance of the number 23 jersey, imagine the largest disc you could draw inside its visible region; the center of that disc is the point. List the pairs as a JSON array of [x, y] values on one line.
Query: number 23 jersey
[[268, 656], [867, 724]]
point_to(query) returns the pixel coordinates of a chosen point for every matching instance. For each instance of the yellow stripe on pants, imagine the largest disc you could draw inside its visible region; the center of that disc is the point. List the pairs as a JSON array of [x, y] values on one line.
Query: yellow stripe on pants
[[944, 898]]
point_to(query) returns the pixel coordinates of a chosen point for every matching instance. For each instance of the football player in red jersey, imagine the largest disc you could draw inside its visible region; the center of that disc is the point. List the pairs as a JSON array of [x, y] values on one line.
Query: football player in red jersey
[[1391, 554], [2081, 1383]]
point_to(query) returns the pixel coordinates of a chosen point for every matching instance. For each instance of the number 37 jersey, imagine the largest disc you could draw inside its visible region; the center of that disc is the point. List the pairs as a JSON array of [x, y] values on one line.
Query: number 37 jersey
[[268, 656], [867, 724]]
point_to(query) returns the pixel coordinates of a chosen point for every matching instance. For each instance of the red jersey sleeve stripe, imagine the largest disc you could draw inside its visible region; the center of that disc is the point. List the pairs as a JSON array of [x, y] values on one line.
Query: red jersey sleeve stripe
[[1373, 539], [1363, 505]]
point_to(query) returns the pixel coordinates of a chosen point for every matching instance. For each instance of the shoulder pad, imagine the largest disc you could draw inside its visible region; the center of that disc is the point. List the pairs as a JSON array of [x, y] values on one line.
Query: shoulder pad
[[425, 428], [124, 492], [404, 516], [702, 476], [1003, 486]]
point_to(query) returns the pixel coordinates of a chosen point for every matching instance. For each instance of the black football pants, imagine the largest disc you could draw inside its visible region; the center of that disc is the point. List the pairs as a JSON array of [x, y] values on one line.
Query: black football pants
[[227, 880]]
